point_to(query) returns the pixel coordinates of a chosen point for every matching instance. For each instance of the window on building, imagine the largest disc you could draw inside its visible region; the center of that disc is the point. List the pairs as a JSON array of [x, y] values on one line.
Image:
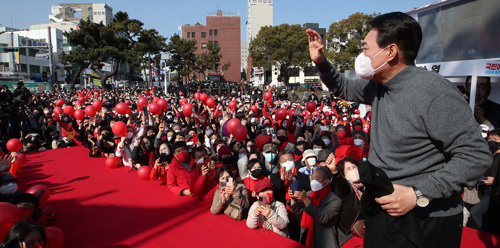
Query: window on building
[[32, 52], [203, 34], [215, 32], [24, 68], [204, 45], [211, 32], [293, 72], [193, 35], [310, 71], [22, 51], [216, 43], [189, 34], [34, 69]]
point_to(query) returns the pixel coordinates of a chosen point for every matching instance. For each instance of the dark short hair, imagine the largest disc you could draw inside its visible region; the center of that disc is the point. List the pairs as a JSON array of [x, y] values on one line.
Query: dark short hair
[[401, 29], [341, 163], [221, 170], [252, 162], [21, 230]]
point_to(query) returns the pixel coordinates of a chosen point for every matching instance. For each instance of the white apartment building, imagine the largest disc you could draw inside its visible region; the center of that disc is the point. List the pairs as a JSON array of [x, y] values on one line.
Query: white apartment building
[[21, 56], [260, 13]]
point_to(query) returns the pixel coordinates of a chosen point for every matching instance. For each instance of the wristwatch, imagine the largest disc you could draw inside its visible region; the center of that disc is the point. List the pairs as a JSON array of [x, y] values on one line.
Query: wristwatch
[[422, 201]]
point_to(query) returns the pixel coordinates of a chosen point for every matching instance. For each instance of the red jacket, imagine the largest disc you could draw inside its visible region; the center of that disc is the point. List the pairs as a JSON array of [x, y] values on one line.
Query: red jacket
[[178, 177], [203, 187], [159, 173]]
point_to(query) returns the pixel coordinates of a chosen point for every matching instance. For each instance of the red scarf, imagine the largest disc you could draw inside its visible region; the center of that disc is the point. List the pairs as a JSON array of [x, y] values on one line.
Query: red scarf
[[307, 221]]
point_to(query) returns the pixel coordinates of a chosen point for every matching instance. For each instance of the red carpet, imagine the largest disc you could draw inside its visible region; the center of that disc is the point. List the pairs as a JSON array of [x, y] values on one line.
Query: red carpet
[[101, 207]]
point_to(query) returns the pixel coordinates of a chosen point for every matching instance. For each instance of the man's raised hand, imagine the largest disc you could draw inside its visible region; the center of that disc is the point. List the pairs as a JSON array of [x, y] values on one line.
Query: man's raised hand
[[315, 46]]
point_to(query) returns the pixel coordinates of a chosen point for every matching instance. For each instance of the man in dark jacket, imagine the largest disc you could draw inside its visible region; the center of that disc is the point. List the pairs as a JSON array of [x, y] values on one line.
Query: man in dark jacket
[[428, 160]]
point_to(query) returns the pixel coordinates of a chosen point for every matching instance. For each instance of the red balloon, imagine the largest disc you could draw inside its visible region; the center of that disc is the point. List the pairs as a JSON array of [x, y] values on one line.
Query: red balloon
[[79, 114], [81, 99], [141, 102], [111, 162], [281, 114], [58, 110], [154, 109], [127, 102], [151, 92], [97, 105], [122, 108], [144, 173], [119, 129], [14, 145], [187, 109], [97, 94], [233, 124], [59, 102], [156, 99], [198, 91], [146, 92], [104, 100], [268, 96], [69, 110], [232, 105], [254, 108], [204, 97], [9, 215], [210, 102], [240, 133], [197, 96], [311, 106], [90, 111], [183, 101], [42, 192], [54, 236], [163, 104]]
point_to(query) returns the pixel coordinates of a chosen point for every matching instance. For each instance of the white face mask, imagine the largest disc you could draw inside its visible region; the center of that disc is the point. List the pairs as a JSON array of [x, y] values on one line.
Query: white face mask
[[190, 143], [316, 186], [358, 142], [46, 112], [249, 149], [484, 135], [352, 176], [209, 132], [316, 150], [200, 161], [311, 161], [326, 141], [169, 138], [288, 165], [363, 65], [253, 120], [345, 118], [212, 141], [177, 131], [8, 189], [355, 116]]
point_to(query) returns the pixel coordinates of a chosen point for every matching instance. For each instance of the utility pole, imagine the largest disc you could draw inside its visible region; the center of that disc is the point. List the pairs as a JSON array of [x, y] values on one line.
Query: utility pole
[[51, 69]]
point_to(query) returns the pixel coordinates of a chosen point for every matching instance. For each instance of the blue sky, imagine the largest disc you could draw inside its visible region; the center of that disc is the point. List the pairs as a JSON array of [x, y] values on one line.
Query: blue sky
[[167, 15]]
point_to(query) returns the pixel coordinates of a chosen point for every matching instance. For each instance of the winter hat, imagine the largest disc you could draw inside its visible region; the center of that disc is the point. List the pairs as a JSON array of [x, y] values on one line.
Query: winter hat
[[263, 184], [307, 154], [223, 151]]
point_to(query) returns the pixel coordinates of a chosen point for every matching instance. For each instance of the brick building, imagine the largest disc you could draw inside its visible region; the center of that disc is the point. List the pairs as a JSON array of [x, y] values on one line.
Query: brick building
[[224, 30]]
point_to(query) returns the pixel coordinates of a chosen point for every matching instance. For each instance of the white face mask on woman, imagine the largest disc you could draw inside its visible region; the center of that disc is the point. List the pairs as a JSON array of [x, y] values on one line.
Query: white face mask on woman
[[352, 176], [363, 65]]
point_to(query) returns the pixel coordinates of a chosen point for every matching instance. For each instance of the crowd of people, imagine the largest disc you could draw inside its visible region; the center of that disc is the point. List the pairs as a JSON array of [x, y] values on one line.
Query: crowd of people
[[296, 176]]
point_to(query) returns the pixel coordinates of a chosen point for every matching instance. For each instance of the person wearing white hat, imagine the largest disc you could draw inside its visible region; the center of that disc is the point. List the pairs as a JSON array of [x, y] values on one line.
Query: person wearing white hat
[[309, 159]]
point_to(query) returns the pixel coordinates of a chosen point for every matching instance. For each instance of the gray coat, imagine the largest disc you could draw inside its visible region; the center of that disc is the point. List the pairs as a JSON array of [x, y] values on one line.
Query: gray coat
[[326, 216]]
